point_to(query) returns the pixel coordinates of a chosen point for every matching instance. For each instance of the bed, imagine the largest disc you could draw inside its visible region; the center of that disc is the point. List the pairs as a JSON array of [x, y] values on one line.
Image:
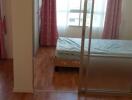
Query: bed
[[68, 50]]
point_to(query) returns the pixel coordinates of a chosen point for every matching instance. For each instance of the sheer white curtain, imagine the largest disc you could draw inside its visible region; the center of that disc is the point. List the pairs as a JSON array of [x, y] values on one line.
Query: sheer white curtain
[[99, 16], [70, 15], [62, 15]]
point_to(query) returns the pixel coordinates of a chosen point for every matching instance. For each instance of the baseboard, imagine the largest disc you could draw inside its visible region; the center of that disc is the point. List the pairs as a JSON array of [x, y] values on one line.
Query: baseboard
[[16, 90]]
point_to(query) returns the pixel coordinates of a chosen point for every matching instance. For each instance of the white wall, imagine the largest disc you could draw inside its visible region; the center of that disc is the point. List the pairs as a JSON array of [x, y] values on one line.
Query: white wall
[[22, 29], [126, 25], [8, 36]]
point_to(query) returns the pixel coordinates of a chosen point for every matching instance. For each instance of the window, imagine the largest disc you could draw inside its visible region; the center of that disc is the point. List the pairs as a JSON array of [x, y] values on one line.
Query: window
[[70, 13], [76, 12], [75, 17]]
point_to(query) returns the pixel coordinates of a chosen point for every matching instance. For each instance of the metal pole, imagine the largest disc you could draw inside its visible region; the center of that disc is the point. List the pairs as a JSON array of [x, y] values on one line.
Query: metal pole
[[82, 68], [91, 29], [80, 11], [90, 40]]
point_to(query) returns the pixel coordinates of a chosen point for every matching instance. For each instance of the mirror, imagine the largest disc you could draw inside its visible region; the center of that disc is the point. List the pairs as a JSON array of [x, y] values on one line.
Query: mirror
[[109, 62]]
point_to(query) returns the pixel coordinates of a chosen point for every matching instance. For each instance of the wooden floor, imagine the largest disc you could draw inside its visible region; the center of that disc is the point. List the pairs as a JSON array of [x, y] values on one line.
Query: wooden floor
[[49, 85], [47, 79], [61, 85], [6, 83]]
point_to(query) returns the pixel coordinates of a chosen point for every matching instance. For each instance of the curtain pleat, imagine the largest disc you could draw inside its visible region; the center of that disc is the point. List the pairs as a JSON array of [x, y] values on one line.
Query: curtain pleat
[[112, 19], [48, 28], [2, 31]]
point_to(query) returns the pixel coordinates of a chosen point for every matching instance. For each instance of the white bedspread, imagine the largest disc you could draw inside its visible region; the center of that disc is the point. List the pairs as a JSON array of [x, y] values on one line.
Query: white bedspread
[[72, 46]]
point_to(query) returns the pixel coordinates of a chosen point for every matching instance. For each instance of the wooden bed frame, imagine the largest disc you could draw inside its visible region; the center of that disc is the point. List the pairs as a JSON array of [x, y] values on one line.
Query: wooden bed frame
[[59, 62]]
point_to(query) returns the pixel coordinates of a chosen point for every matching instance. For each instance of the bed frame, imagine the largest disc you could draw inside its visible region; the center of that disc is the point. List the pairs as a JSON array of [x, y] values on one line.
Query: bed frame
[[59, 62]]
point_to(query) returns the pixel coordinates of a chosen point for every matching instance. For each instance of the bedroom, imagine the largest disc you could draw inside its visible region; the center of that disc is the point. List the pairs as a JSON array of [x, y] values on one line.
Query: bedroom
[[106, 69], [108, 42]]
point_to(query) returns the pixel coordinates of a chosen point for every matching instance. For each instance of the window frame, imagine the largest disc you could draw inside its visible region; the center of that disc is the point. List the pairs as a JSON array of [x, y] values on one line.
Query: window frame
[[80, 11]]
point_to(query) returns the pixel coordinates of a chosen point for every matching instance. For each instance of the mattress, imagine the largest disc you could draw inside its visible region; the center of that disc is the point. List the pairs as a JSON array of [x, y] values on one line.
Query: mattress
[[71, 48]]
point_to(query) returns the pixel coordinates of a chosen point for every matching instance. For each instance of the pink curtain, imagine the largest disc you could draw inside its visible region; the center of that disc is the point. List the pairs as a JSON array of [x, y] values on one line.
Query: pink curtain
[[48, 28], [112, 19], [2, 32]]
